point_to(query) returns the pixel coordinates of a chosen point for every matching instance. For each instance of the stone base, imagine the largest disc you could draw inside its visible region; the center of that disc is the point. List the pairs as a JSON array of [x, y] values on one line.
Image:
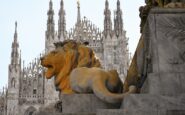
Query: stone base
[[147, 104], [151, 102], [134, 104], [141, 112], [47, 113], [54, 113], [84, 103], [169, 84], [110, 112]]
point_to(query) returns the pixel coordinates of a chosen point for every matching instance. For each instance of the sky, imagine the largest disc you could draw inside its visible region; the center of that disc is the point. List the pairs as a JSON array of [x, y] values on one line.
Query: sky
[[31, 16]]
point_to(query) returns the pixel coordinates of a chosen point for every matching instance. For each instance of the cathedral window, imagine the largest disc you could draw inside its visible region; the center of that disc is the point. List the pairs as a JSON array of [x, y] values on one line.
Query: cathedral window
[[115, 58], [34, 91], [35, 70], [40, 70], [13, 82], [29, 75], [35, 84]]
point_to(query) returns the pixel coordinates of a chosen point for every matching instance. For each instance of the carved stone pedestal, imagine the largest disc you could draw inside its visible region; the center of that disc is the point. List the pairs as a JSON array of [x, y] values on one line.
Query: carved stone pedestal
[[84, 103], [140, 112], [153, 102], [166, 84]]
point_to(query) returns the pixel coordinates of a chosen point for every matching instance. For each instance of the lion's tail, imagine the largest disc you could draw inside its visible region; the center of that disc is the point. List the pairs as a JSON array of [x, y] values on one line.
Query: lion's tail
[[104, 94]]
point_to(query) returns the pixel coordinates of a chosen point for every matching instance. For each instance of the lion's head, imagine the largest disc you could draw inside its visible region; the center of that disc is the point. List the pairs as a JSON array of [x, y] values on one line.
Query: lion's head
[[51, 62], [67, 56]]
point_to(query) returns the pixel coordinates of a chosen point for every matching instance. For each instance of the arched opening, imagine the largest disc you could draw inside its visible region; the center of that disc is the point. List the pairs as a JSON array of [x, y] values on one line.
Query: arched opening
[[30, 111], [13, 82]]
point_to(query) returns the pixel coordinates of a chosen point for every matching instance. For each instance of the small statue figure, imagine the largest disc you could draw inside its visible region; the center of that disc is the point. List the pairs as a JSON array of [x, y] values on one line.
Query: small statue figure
[[144, 10]]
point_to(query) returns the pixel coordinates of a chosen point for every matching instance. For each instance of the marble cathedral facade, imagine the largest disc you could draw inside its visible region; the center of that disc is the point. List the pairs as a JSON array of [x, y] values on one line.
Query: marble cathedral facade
[[28, 90]]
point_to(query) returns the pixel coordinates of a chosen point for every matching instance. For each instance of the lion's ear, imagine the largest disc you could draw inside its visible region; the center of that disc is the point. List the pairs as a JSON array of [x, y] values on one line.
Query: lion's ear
[[58, 44], [55, 44]]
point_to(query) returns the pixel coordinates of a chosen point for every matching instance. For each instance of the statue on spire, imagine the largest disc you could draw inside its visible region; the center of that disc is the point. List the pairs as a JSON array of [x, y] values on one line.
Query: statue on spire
[[78, 3], [50, 4], [15, 46], [15, 25], [15, 34], [78, 13]]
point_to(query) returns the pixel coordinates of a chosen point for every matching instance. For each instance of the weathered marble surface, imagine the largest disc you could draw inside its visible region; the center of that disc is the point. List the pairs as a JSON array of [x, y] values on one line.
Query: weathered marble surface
[[152, 102], [84, 103], [165, 48], [165, 42], [167, 84], [140, 112], [53, 113]]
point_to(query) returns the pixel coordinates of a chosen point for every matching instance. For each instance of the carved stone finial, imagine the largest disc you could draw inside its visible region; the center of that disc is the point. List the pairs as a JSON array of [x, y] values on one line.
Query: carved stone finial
[[78, 13], [78, 3], [50, 4], [16, 26]]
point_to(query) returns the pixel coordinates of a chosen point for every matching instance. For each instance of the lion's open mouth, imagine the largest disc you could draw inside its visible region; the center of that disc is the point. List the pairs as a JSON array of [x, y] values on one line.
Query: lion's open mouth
[[48, 66], [49, 72]]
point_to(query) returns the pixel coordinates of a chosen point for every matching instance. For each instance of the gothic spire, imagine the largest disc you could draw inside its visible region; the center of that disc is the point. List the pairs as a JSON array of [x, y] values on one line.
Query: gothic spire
[[3, 90], [61, 4], [50, 22], [78, 13], [106, 4], [61, 22], [20, 59], [15, 46], [118, 21], [118, 4], [15, 34], [107, 20]]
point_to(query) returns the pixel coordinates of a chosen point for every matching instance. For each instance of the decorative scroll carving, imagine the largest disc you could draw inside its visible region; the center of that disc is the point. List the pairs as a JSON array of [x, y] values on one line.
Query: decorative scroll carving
[[173, 30]]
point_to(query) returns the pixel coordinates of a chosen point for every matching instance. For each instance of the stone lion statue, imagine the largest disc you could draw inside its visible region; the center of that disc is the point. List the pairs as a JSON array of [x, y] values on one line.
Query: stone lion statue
[[77, 70]]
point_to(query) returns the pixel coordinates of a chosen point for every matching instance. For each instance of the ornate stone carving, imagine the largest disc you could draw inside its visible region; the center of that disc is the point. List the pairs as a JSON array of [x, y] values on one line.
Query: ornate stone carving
[[173, 30], [144, 10]]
